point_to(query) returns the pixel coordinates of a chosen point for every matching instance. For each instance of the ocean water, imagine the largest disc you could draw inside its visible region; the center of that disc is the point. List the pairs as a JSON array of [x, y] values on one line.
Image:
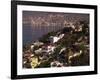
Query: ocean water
[[33, 33]]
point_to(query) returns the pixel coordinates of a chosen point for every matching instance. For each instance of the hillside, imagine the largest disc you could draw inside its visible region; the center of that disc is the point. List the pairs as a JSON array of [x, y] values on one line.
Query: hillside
[[66, 47]]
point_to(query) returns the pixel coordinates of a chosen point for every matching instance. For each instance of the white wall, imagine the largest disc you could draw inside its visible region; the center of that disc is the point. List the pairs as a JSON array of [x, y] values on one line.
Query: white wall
[[5, 40]]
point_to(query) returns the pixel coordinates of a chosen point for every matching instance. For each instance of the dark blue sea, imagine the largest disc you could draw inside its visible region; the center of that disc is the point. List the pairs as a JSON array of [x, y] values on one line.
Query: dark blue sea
[[31, 33]]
